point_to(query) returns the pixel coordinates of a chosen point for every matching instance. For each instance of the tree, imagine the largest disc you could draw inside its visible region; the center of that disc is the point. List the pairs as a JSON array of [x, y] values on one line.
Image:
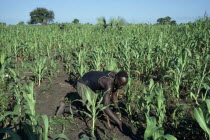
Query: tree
[[166, 20], [173, 22], [21, 23], [3, 24], [41, 15], [75, 21]]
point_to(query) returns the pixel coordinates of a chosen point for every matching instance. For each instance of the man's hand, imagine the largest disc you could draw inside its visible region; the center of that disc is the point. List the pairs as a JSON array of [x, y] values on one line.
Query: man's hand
[[124, 129], [127, 131], [118, 114]]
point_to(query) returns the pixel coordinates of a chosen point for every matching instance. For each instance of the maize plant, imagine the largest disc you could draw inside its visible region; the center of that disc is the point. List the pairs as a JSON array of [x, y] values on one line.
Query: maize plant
[[155, 133], [94, 106], [39, 69]]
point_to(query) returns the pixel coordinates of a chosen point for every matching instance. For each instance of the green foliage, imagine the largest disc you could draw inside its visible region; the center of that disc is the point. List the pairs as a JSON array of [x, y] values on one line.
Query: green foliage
[[117, 22], [166, 20], [13, 135], [60, 136], [202, 115], [2, 24], [75, 21], [39, 69], [94, 107], [154, 101], [26, 119], [6, 98], [81, 67], [41, 15], [102, 22], [21, 23], [155, 133]]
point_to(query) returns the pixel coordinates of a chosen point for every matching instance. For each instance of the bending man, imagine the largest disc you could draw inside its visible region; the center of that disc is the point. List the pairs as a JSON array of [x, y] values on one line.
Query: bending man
[[108, 82]]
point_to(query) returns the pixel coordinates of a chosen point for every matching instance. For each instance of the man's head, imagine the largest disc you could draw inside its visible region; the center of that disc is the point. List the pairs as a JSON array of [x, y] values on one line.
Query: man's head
[[121, 79]]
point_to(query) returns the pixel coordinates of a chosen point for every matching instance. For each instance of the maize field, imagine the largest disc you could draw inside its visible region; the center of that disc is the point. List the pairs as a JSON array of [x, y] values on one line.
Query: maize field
[[167, 95]]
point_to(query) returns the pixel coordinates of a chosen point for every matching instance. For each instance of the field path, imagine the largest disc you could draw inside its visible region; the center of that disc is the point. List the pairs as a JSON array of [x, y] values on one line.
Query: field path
[[50, 94]]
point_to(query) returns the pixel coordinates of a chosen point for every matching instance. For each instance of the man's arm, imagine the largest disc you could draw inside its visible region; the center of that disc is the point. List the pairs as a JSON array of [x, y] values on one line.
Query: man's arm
[[108, 111], [107, 86], [115, 100]]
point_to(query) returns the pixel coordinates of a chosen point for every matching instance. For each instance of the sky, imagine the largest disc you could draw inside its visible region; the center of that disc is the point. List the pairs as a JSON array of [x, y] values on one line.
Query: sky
[[87, 11]]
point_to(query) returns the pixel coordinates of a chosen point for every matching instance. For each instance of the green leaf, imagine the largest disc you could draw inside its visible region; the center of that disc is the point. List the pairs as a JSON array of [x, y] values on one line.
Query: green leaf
[[88, 108], [151, 83], [104, 107], [3, 94], [60, 136], [88, 95], [46, 125], [169, 137], [168, 76], [6, 114], [86, 113], [149, 132], [158, 133], [208, 105], [17, 109], [189, 52], [13, 72], [86, 138], [198, 114], [151, 120], [29, 131], [2, 58], [181, 107], [11, 133]]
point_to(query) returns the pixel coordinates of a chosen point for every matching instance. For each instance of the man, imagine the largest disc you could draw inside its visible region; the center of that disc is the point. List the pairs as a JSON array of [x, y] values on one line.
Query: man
[[108, 82]]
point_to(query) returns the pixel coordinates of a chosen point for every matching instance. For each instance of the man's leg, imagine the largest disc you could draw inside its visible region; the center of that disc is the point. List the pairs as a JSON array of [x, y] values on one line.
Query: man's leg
[[61, 109]]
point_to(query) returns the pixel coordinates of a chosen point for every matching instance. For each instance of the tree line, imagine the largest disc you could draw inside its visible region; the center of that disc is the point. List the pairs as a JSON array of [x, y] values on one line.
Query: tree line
[[43, 16]]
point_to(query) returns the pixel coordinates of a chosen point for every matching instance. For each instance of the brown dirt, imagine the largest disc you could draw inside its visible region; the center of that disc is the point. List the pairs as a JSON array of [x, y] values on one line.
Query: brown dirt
[[49, 94]]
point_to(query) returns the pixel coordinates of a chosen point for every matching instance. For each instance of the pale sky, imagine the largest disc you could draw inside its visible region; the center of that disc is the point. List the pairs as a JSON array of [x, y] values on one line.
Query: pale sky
[[133, 11]]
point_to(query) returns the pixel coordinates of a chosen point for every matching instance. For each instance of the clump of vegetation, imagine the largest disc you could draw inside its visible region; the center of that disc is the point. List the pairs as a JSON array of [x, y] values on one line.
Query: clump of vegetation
[[114, 23]]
